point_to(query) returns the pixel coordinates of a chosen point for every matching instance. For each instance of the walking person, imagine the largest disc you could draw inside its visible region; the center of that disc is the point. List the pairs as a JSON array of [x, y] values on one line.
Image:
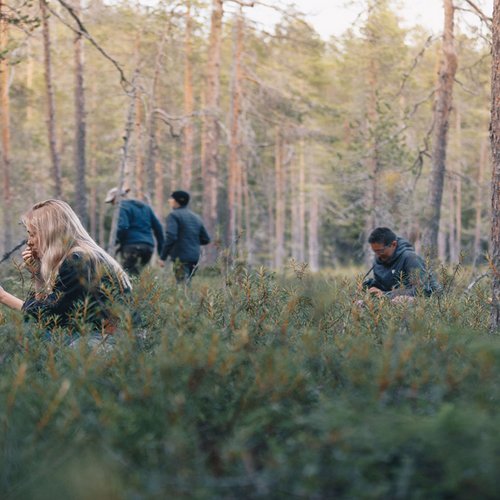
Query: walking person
[[185, 233], [137, 224], [75, 283]]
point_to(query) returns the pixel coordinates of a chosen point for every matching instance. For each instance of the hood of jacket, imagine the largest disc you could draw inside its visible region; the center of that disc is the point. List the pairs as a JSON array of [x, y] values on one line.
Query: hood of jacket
[[403, 246]]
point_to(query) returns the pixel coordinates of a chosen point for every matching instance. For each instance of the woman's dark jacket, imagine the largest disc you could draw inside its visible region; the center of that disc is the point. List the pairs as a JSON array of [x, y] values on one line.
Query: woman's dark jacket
[[81, 295]]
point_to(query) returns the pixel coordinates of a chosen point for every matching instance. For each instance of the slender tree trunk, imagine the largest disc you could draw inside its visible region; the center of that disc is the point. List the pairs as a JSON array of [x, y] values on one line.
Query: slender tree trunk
[[234, 177], [211, 129], [80, 129], [174, 179], [248, 212], [51, 106], [302, 202], [159, 178], [139, 154], [458, 187], [495, 179], [188, 130], [452, 245], [29, 82], [372, 163], [153, 163], [443, 103], [93, 215], [313, 223], [483, 158], [279, 237], [5, 127], [122, 168]]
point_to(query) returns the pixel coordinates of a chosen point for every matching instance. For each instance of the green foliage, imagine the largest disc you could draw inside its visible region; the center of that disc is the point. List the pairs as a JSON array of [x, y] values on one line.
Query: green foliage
[[252, 384]]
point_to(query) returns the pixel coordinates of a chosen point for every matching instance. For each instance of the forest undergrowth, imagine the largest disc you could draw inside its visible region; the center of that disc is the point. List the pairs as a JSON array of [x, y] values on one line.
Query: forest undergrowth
[[252, 384]]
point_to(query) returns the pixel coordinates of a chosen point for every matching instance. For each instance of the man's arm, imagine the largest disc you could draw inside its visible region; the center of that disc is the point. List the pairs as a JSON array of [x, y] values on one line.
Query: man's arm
[[158, 232], [123, 225], [204, 236], [171, 236]]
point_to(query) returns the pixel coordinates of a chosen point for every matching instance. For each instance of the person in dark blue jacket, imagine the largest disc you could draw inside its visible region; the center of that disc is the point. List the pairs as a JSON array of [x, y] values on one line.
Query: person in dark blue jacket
[[136, 225], [185, 233], [397, 270]]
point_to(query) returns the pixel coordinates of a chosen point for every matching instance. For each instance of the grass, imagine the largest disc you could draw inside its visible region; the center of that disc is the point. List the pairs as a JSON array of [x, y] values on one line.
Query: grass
[[258, 385]]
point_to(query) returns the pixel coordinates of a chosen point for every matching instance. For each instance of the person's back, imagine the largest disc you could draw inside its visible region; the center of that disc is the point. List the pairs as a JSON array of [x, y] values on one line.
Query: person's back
[[185, 233], [137, 223]]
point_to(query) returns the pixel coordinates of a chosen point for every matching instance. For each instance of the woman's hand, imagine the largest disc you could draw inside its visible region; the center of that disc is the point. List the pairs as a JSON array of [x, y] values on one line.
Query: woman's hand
[[30, 261]]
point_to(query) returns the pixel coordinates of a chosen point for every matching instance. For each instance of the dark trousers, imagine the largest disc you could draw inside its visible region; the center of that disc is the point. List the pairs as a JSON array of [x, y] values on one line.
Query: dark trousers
[[135, 257], [184, 271]]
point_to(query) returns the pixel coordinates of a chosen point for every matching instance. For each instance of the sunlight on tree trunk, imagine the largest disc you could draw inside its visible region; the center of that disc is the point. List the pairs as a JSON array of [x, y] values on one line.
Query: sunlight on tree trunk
[[495, 179], [443, 103], [210, 140], [51, 107], [80, 128], [5, 126]]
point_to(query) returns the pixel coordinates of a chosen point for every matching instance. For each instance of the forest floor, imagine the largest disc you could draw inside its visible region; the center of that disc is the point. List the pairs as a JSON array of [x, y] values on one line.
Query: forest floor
[[253, 384]]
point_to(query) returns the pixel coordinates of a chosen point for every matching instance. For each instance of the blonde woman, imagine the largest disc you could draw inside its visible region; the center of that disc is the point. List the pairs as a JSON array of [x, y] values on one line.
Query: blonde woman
[[75, 282]]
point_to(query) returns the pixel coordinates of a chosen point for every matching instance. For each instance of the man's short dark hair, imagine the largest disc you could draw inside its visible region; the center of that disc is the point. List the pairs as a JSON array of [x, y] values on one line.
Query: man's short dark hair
[[181, 197], [382, 235]]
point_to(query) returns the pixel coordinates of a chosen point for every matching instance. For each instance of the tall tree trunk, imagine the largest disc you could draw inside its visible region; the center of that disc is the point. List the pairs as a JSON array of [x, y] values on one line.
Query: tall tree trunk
[[313, 222], [495, 179], [51, 106], [188, 130], [139, 155], [452, 245], [483, 158], [159, 177], [29, 82], [372, 162], [80, 129], [5, 127], [234, 166], [443, 103], [279, 237], [93, 212], [248, 212], [211, 129], [302, 202], [153, 163], [458, 186], [122, 169]]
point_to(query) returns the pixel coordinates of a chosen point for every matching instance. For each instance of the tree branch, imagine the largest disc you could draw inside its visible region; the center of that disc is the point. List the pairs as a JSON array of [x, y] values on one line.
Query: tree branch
[[82, 30], [487, 20]]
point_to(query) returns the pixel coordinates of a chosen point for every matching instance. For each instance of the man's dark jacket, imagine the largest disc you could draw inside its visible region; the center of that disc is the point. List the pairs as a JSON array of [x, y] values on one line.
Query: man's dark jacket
[[137, 223], [185, 233], [404, 274]]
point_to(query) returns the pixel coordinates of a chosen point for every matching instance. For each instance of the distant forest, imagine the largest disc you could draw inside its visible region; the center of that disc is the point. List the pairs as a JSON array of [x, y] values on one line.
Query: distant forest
[[292, 146]]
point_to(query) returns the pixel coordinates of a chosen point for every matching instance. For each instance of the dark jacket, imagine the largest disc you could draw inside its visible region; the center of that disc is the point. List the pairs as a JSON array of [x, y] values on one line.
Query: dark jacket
[[185, 233], [404, 274], [81, 294], [137, 223]]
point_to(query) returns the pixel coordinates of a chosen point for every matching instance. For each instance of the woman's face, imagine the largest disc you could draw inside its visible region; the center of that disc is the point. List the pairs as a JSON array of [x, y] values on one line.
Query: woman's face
[[33, 243]]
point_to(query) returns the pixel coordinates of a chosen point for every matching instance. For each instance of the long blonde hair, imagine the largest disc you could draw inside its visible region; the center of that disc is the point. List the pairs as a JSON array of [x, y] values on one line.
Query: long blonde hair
[[60, 233]]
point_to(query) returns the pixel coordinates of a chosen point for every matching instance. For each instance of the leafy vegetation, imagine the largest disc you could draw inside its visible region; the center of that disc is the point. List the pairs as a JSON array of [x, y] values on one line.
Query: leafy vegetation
[[253, 384]]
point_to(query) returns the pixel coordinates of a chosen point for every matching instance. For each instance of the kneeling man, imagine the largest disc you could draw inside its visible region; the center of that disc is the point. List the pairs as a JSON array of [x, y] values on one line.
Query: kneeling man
[[398, 271]]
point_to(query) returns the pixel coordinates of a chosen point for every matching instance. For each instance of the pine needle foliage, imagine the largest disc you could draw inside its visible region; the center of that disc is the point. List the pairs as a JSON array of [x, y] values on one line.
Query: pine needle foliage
[[254, 384]]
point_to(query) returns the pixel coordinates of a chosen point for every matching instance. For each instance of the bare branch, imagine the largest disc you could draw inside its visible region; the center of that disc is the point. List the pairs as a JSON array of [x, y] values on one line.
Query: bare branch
[[82, 30], [487, 20]]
